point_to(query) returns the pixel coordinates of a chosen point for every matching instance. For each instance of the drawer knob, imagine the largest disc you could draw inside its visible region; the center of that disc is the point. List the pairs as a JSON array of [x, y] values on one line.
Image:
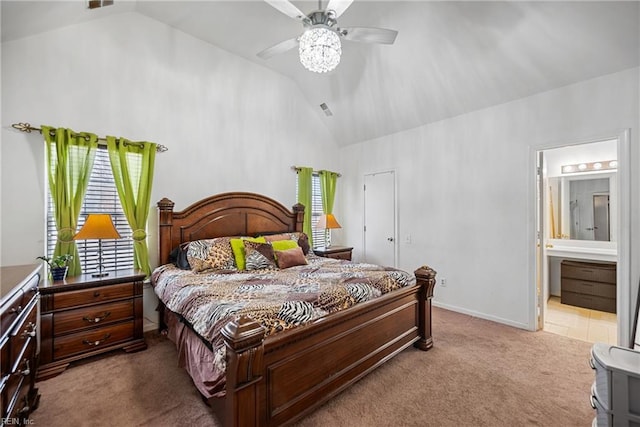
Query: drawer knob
[[26, 371], [16, 310], [97, 342], [29, 331], [98, 318], [96, 294]]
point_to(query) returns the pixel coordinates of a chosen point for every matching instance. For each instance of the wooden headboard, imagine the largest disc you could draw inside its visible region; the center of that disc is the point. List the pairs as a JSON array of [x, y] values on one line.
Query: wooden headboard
[[227, 214]]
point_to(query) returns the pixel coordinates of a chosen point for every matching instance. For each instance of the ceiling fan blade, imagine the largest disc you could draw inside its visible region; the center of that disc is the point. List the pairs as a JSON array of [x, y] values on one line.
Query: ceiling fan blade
[[339, 6], [278, 48], [369, 35], [288, 9]]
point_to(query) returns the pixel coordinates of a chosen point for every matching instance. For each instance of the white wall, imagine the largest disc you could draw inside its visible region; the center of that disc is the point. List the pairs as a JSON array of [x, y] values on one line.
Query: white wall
[[230, 125], [466, 189]]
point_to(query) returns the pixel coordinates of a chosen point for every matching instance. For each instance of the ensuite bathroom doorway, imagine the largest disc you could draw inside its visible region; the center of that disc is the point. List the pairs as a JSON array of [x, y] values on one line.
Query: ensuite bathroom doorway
[[578, 203]]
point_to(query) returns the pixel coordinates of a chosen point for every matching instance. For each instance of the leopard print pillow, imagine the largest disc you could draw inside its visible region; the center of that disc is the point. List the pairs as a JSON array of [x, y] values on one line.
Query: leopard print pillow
[[211, 254]]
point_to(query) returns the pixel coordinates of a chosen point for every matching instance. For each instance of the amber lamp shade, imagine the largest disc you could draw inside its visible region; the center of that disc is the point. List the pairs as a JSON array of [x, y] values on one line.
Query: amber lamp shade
[[327, 222], [98, 226]]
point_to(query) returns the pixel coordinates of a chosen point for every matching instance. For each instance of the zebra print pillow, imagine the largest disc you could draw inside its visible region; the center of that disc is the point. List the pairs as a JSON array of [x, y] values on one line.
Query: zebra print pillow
[[258, 256]]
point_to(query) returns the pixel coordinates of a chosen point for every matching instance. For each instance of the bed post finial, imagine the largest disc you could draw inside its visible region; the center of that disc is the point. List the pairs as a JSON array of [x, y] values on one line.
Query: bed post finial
[[426, 278], [243, 340]]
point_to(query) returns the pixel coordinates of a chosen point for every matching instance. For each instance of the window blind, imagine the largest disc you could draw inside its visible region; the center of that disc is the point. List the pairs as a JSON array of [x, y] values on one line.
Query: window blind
[[101, 197]]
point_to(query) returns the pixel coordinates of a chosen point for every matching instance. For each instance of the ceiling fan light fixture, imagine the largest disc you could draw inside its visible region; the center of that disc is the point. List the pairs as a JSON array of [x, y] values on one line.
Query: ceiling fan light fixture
[[320, 49]]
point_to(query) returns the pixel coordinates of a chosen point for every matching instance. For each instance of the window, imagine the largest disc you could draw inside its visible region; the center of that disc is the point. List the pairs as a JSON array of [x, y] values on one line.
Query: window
[[101, 197], [318, 236]]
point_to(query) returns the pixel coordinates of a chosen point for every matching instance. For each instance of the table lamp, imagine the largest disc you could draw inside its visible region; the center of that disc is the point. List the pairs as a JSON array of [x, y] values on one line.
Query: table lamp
[[98, 226], [327, 222]]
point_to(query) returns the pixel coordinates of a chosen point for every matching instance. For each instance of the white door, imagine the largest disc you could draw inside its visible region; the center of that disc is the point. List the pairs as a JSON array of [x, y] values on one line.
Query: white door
[[542, 284], [380, 218]]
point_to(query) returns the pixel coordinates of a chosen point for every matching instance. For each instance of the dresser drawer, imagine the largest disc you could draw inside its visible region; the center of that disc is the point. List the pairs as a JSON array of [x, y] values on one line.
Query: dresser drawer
[[10, 314], [606, 290], [588, 301], [89, 317], [92, 295], [22, 336], [19, 377], [18, 404], [93, 339], [588, 271]]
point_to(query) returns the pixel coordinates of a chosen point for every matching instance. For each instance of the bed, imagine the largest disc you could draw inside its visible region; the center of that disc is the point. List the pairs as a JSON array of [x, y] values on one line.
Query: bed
[[276, 378]]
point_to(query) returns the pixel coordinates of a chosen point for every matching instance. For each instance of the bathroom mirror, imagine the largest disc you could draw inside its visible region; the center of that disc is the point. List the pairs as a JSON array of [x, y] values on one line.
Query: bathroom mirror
[[584, 207]]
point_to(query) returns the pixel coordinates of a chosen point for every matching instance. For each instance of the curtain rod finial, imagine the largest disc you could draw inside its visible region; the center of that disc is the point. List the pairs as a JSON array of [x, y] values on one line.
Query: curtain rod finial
[[23, 127]]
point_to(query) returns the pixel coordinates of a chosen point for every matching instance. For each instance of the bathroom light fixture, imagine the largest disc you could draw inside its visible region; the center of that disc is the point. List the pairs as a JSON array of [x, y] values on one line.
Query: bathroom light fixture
[[320, 49], [588, 167]]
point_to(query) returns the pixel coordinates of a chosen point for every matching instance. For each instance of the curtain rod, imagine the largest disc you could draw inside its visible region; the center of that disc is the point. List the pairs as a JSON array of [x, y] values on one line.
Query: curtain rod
[[297, 169], [26, 127]]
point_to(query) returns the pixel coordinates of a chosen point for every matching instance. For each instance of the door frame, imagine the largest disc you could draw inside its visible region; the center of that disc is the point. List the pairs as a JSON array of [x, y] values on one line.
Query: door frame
[[623, 275], [395, 214]]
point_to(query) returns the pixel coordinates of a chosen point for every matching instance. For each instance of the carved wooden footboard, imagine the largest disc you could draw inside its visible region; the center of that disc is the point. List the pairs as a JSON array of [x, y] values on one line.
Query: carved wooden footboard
[[277, 380], [286, 376]]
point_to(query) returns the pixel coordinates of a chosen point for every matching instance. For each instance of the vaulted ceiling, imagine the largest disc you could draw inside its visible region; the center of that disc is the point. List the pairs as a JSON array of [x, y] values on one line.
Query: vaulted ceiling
[[449, 58]]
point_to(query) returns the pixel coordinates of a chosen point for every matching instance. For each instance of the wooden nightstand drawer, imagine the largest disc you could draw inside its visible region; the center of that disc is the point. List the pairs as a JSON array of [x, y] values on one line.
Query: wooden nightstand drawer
[[94, 339], [92, 295], [335, 252], [341, 255], [93, 316]]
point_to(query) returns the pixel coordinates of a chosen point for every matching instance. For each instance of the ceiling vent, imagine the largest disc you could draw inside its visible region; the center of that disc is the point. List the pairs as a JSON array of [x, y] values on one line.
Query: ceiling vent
[[94, 4], [326, 110]]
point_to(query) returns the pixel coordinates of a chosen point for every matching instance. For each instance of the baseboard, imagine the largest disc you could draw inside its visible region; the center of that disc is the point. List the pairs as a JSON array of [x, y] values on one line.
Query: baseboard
[[480, 315], [149, 325]]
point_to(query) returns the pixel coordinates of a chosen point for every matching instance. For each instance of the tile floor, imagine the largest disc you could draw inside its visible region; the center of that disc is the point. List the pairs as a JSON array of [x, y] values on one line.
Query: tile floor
[[580, 323]]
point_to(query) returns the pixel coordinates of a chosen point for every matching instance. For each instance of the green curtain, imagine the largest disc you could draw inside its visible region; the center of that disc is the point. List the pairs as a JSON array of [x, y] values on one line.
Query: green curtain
[[70, 158], [328, 182], [132, 165], [304, 198]]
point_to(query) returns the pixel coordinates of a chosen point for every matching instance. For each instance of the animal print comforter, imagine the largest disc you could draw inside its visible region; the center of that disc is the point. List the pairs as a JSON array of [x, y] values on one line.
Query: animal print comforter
[[278, 299]]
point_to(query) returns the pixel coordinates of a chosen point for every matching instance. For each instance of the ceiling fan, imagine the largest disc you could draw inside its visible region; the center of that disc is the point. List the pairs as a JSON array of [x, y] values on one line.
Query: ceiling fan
[[319, 45]]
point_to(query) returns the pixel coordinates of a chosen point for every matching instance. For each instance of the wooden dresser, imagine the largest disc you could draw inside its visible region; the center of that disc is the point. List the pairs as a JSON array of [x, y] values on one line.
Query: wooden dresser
[[588, 285], [83, 316], [336, 252], [18, 342]]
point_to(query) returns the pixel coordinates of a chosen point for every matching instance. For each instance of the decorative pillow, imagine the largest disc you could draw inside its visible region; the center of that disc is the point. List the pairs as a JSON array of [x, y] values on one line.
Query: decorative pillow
[[290, 257], [301, 238], [283, 245], [211, 254], [237, 245], [258, 256], [178, 256]]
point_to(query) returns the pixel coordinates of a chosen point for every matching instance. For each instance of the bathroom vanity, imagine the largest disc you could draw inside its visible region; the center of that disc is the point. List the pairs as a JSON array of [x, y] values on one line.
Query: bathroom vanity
[[589, 285]]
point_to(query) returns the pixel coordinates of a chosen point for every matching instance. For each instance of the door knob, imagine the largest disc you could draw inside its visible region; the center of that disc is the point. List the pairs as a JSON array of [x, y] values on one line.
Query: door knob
[[390, 239]]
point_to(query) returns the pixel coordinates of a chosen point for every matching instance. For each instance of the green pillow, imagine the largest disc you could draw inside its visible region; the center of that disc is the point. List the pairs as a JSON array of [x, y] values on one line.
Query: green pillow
[[237, 245], [283, 245]]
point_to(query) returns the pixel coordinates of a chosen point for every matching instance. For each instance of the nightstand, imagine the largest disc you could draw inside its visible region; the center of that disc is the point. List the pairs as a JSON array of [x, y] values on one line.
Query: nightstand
[[84, 316], [337, 252]]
